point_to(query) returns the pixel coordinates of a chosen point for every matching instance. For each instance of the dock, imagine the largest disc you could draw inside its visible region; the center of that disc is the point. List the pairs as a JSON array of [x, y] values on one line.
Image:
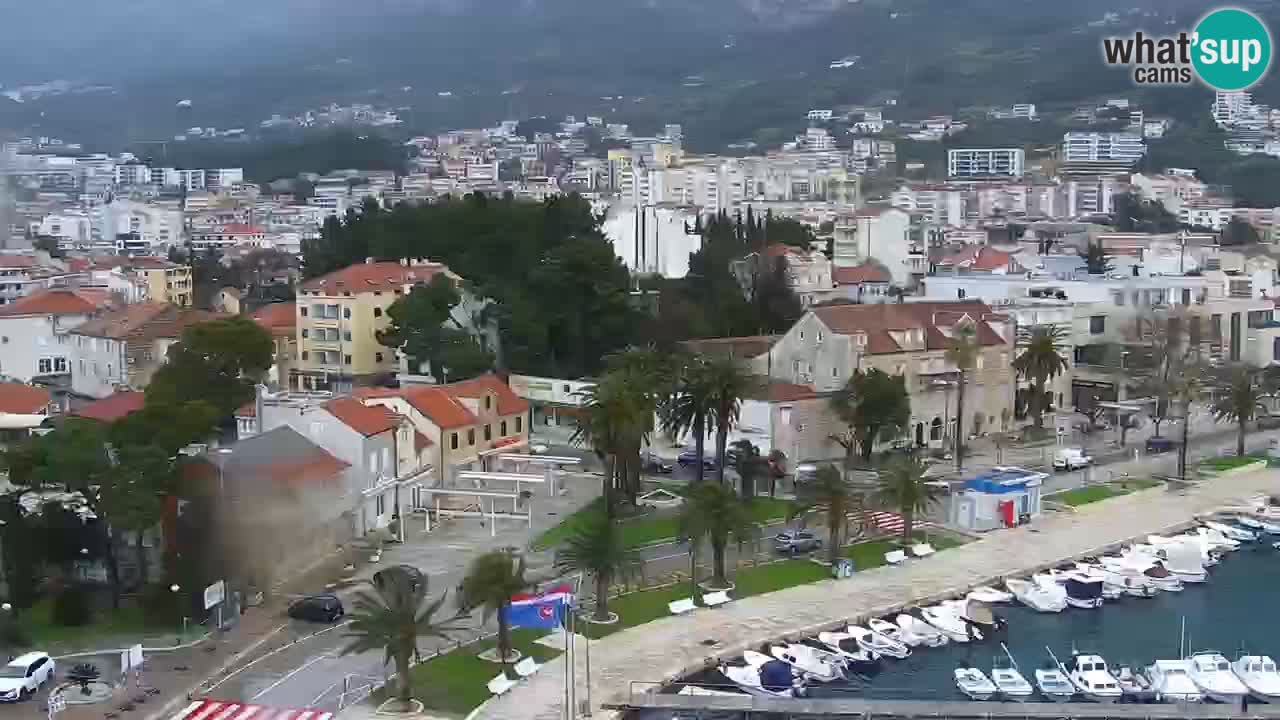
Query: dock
[[695, 707]]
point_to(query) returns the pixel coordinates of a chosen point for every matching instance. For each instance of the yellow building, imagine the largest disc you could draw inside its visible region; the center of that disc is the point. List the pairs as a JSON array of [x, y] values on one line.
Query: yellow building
[[339, 317], [167, 282]]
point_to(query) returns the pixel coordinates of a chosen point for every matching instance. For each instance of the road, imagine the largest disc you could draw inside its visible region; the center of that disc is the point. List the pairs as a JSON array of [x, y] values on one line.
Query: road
[[311, 672]]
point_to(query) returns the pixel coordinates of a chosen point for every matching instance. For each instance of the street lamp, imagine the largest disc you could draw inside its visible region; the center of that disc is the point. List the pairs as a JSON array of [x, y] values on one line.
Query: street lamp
[[182, 632]]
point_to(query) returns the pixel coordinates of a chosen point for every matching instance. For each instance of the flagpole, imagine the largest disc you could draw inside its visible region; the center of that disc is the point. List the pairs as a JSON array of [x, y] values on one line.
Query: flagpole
[[573, 672], [587, 639], [564, 625]]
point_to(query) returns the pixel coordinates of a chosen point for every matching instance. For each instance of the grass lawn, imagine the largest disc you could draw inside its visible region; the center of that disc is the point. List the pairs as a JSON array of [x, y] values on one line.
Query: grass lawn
[[108, 625], [656, 526], [870, 554], [1229, 462], [1096, 493], [457, 682]]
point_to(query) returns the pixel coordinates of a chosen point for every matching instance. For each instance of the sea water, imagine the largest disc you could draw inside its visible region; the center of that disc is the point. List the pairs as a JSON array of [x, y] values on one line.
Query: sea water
[[1236, 610]]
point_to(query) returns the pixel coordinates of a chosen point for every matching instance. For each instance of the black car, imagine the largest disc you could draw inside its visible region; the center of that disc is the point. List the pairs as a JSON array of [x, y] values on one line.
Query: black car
[[1159, 444], [317, 608]]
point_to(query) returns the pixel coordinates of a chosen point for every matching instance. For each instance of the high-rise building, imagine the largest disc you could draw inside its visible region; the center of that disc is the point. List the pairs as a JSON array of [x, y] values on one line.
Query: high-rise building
[[985, 162]]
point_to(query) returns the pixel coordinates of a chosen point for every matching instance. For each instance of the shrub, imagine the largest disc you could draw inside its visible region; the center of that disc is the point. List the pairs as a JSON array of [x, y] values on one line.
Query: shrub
[[71, 607]]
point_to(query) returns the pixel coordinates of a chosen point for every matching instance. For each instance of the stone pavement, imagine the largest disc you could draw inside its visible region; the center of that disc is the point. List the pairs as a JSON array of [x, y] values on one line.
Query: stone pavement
[[670, 648]]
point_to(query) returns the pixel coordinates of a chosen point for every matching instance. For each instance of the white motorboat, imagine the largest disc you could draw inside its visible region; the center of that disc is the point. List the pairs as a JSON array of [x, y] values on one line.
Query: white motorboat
[[1258, 673], [1211, 672], [1134, 685], [973, 612], [1083, 591], [1037, 596], [1092, 678], [1238, 534], [893, 632], [929, 635], [1150, 570], [1055, 685], [950, 624], [821, 665], [874, 642], [1171, 680], [1131, 583], [974, 683], [764, 676], [987, 594], [697, 690], [1186, 563], [1258, 524], [1110, 590], [854, 657], [1214, 540], [1008, 680]]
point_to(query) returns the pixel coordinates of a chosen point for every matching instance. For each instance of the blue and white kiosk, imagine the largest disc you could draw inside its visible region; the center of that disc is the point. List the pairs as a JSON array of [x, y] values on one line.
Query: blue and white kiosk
[[998, 498]]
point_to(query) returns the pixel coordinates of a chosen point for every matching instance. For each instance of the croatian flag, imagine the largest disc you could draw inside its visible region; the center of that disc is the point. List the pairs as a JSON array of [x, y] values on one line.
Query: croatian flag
[[540, 611]]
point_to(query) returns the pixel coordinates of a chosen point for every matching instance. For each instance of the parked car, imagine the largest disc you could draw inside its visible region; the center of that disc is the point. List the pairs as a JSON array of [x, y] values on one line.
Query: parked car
[[24, 675], [317, 608], [688, 458], [1070, 459], [1268, 422], [651, 463], [1157, 444], [793, 542]]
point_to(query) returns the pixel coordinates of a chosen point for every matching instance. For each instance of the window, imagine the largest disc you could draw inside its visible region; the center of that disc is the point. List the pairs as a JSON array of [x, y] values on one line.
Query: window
[[346, 359], [377, 357], [44, 366], [518, 423], [488, 432], [471, 436], [304, 354], [1119, 298], [373, 461], [377, 312], [488, 402], [302, 309], [346, 313], [108, 369], [959, 293], [835, 372], [819, 336], [306, 333], [380, 505], [784, 415], [502, 429], [453, 441], [346, 335], [1097, 324]]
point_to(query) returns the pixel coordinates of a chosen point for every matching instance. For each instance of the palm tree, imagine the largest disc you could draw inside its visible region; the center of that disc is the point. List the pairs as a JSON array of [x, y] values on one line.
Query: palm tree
[[596, 547], [1238, 395], [903, 488], [727, 383], [618, 415], [963, 354], [832, 494], [688, 407], [645, 375], [1041, 360], [715, 512], [393, 618], [489, 584], [750, 465]]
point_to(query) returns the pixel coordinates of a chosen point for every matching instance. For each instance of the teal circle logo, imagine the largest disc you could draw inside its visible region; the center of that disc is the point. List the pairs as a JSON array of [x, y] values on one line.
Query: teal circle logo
[[1231, 49]]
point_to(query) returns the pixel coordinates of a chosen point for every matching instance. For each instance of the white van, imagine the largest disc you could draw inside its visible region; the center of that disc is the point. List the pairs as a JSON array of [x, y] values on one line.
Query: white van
[[1070, 459]]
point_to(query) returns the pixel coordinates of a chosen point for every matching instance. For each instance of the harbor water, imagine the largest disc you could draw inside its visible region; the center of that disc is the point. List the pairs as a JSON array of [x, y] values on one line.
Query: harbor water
[[1234, 611]]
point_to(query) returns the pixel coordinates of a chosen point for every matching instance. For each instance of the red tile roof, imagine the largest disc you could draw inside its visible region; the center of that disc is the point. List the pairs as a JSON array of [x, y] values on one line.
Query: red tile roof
[[277, 318], [145, 321], [421, 441], [876, 321], [248, 410], [18, 261], [790, 392], [508, 402], [54, 302], [747, 346], [980, 257], [113, 407], [780, 250], [858, 274], [368, 277], [364, 419], [21, 399], [434, 403]]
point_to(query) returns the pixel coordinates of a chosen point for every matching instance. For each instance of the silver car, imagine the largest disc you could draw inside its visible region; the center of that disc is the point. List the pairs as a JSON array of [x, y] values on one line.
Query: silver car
[[794, 542]]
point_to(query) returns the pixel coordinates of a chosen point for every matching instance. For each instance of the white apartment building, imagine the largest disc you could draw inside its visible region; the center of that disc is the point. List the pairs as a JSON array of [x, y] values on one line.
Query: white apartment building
[[1094, 146], [1169, 190], [34, 333], [883, 235], [820, 115], [985, 162], [654, 241], [1230, 108], [1206, 213]]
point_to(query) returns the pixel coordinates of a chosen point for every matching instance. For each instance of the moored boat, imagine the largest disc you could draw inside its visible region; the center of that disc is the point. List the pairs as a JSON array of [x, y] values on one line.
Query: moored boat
[[821, 665], [929, 635], [974, 683], [762, 675], [1211, 672], [1054, 684], [1259, 674], [1038, 596], [950, 624], [1171, 681], [874, 642]]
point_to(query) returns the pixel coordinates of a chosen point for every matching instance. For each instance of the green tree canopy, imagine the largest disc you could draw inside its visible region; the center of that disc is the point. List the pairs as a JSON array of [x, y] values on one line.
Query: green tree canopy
[[904, 489], [424, 329], [1041, 360], [489, 584], [218, 362], [874, 405], [833, 495], [715, 513], [596, 547]]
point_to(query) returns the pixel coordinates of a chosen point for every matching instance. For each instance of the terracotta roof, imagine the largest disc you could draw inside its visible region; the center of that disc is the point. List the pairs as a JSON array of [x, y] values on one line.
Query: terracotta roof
[[113, 407], [21, 399], [437, 405], [368, 277], [980, 257], [780, 250], [278, 318], [146, 262], [508, 402], [790, 392], [53, 302], [364, 419], [421, 441], [748, 346], [876, 321], [858, 274], [279, 455], [145, 320]]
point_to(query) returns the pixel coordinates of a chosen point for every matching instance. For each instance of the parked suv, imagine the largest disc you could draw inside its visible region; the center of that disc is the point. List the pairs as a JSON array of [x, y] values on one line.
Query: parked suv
[[793, 542], [317, 608], [24, 675], [1158, 444]]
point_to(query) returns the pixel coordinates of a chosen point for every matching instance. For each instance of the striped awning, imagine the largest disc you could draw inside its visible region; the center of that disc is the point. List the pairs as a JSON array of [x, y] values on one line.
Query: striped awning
[[230, 710]]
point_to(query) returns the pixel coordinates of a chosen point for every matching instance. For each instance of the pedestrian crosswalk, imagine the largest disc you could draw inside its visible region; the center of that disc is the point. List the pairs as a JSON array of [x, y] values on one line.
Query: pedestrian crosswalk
[[230, 710]]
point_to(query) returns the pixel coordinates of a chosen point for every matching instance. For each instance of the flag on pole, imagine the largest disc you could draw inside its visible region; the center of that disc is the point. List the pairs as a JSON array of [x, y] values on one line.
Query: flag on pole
[[545, 610]]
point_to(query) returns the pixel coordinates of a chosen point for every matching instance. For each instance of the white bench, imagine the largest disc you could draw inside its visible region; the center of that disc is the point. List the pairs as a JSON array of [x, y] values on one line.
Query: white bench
[[682, 606], [922, 550], [526, 667], [896, 557], [717, 598], [501, 684]]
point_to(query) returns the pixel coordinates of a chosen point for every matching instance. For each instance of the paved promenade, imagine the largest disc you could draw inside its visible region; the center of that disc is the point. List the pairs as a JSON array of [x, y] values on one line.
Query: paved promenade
[[667, 649]]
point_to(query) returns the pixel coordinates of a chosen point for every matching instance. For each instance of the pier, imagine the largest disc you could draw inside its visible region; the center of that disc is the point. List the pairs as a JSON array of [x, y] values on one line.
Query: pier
[[695, 707]]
